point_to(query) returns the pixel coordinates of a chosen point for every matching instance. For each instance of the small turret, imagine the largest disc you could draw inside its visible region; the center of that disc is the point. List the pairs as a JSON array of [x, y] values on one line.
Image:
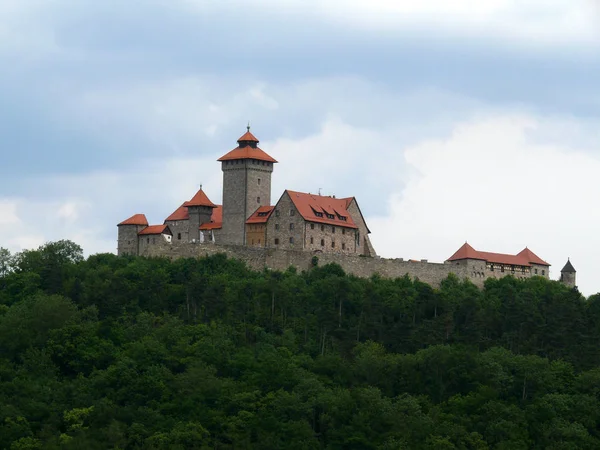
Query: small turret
[[567, 274]]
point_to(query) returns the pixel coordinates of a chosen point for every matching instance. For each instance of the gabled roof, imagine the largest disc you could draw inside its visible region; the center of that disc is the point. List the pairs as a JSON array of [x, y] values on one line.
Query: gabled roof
[[261, 215], [314, 208], [525, 258], [156, 229], [349, 201], [568, 268], [532, 257], [136, 219], [216, 219], [466, 252], [200, 199], [180, 213]]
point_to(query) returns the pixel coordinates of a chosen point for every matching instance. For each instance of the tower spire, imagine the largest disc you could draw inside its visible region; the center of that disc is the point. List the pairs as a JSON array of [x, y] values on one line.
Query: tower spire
[[248, 126]]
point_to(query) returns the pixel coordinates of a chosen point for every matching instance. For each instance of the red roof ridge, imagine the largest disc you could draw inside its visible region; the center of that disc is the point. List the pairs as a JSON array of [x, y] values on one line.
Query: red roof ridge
[[261, 215], [180, 213], [216, 219], [525, 258], [310, 204], [155, 229], [136, 219]]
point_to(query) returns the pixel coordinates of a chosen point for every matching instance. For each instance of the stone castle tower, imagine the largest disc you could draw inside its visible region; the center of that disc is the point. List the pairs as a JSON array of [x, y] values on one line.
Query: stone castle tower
[[246, 185], [568, 274]]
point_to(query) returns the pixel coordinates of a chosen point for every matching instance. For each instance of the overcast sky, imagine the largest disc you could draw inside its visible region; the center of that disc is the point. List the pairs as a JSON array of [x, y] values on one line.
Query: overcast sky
[[450, 121]]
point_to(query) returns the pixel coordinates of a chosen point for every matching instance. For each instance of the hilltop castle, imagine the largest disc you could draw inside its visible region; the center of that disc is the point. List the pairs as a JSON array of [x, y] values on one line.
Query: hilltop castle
[[298, 227]]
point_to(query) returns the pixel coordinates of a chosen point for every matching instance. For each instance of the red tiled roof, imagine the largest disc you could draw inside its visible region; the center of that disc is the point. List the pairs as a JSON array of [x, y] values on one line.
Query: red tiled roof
[[261, 215], [248, 137], [247, 153], [156, 229], [309, 205], [136, 219], [200, 199], [524, 258], [532, 257], [180, 213], [216, 219]]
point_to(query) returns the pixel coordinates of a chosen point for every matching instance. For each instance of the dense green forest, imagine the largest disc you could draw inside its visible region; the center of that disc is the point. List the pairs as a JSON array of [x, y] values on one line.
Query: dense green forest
[[128, 353]]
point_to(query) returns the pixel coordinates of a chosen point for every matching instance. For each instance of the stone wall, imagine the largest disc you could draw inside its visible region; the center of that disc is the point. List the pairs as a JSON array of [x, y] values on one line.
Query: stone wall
[[180, 229], [127, 240], [335, 239], [364, 242], [280, 259], [285, 223]]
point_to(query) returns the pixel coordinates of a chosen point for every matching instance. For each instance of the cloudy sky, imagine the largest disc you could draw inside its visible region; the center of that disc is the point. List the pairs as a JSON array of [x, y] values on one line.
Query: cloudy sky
[[452, 121]]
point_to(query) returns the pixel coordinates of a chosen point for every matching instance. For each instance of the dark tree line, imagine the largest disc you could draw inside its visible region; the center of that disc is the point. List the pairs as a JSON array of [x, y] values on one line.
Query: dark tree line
[[135, 353]]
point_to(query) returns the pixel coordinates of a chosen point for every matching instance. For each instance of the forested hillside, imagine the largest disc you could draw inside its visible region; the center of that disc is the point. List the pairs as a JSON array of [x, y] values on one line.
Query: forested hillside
[[131, 353]]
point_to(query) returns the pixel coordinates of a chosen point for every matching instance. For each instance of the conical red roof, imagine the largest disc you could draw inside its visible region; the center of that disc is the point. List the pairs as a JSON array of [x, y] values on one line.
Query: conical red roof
[[200, 199]]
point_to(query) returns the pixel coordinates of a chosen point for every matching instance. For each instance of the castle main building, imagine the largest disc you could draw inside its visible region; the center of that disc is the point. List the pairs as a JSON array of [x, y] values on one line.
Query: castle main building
[[298, 226], [298, 221]]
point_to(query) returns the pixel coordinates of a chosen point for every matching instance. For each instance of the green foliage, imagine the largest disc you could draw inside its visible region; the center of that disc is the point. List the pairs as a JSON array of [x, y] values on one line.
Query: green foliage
[[131, 353]]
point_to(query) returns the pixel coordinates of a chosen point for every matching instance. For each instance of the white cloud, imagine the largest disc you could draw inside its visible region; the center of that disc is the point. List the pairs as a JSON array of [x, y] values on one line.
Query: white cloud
[[490, 183], [530, 22], [8, 213]]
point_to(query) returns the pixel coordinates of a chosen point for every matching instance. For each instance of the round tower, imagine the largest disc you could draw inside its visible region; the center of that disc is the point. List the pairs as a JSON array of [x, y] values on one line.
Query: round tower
[[567, 274], [246, 186]]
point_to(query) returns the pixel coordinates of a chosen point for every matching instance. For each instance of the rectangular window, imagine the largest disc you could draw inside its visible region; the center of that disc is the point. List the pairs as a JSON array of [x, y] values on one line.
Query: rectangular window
[[291, 226], [535, 271], [147, 240], [312, 226], [178, 236], [343, 246], [322, 242], [322, 227], [257, 199], [333, 230], [277, 226], [543, 272], [276, 241], [312, 240], [291, 240], [292, 212], [332, 244], [259, 181], [343, 231]]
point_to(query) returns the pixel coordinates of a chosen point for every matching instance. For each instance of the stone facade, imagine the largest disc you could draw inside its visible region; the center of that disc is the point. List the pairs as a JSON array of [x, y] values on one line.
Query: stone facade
[[180, 229], [363, 242], [198, 216], [360, 266], [246, 186], [127, 241]]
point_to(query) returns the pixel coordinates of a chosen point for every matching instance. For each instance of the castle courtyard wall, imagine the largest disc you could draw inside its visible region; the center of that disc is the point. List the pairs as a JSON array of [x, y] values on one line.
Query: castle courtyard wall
[[280, 259]]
